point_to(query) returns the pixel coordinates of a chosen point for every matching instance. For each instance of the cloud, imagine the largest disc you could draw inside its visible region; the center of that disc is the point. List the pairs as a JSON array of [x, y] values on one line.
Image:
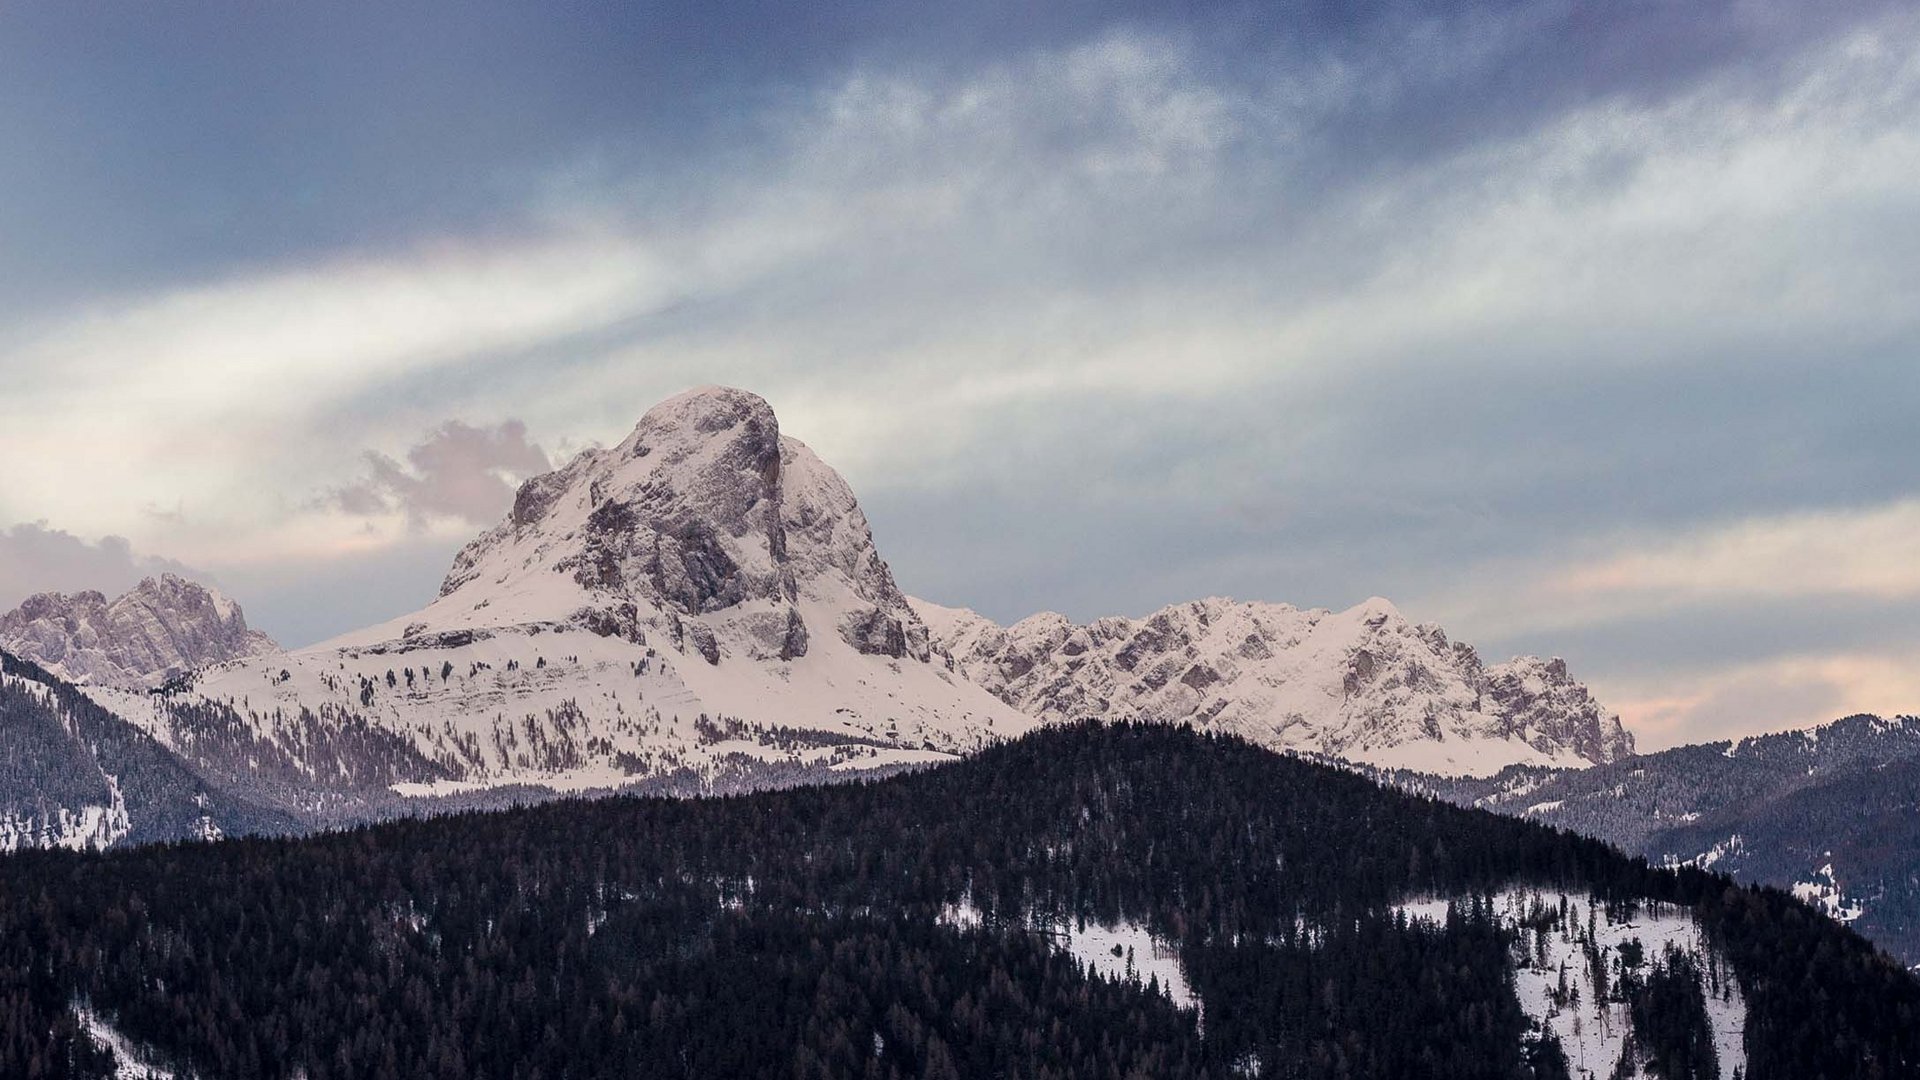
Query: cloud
[[36, 558], [1777, 695], [461, 472], [1867, 552]]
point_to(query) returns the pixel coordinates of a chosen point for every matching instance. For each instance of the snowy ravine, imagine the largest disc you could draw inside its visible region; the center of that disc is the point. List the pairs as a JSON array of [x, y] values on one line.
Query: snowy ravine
[[1560, 936]]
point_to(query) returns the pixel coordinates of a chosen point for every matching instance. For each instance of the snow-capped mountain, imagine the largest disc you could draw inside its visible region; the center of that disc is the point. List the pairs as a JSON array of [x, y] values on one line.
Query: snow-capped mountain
[[160, 628], [1363, 684], [702, 601]]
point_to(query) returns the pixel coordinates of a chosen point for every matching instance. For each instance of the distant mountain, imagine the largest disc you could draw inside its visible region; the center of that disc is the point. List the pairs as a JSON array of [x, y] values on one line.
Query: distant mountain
[[1832, 813], [162, 628], [1364, 684], [1091, 901]]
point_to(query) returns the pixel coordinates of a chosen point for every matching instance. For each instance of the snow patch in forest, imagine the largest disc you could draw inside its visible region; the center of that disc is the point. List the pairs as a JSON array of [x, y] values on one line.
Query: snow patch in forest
[[1823, 893], [1568, 968], [1123, 950], [129, 1059], [1129, 951], [1733, 845]]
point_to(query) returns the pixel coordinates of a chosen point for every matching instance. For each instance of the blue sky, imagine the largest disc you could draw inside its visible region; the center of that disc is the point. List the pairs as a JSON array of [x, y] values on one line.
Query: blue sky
[[1579, 329]]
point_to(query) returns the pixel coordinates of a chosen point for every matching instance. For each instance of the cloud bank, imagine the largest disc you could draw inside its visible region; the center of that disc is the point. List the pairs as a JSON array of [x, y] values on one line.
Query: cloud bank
[[461, 472]]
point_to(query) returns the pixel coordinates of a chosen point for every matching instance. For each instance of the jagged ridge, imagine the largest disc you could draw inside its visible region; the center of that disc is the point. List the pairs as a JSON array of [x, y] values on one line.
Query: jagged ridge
[[1363, 684], [160, 628]]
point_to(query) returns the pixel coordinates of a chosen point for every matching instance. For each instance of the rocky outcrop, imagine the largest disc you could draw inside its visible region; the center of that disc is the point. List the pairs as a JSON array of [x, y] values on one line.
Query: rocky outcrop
[[163, 627], [1363, 684], [705, 519]]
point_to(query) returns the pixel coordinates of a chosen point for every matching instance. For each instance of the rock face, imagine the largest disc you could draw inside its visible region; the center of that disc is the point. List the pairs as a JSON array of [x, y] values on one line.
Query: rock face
[[163, 627], [1363, 684], [705, 524]]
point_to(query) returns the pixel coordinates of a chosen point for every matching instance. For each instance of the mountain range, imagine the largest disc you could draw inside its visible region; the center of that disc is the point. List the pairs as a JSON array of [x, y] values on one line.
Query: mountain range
[[704, 601], [702, 608]]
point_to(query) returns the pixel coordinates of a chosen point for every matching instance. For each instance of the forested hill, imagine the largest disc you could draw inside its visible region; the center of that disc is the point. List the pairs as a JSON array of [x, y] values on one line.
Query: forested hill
[[954, 922], [1831, 813]]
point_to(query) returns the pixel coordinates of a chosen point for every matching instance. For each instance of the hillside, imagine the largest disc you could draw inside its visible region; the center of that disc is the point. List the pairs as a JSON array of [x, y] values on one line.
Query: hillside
[[1831, 812], [74, 775], [1084, 902]]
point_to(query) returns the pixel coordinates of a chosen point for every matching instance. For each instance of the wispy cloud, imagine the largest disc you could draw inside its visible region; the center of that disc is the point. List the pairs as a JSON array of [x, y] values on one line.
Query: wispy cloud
[[1868, 553], [1779, 694]]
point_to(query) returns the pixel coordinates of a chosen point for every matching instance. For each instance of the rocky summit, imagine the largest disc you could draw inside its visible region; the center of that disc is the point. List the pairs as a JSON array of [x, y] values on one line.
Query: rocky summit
[[161, 628], [705, 525]]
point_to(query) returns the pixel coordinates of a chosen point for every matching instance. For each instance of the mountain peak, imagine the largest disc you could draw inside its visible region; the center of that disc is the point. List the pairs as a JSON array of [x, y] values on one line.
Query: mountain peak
[[706, 526], [161, 627]]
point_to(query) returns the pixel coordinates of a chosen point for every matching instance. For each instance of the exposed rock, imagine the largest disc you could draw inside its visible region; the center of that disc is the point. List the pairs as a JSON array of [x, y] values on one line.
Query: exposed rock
[[1364, 684], [163, 627], [794, 644], [881, 633], [704, 513]]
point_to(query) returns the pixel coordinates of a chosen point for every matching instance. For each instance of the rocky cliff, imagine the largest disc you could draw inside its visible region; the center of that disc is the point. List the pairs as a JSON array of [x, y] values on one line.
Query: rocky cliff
[[161, 628]]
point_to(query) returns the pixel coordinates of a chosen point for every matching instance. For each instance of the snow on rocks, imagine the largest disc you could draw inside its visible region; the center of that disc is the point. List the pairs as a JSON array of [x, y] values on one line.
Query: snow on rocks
[[1363, 684], [161, 628], [705, 595]]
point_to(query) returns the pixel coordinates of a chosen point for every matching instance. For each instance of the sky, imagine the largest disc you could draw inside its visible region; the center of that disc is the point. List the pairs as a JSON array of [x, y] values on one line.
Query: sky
[[1582, 330]]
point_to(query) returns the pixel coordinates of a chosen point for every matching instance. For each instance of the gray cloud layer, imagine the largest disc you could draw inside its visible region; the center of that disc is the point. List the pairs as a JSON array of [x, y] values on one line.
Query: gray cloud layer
[[35, 558]]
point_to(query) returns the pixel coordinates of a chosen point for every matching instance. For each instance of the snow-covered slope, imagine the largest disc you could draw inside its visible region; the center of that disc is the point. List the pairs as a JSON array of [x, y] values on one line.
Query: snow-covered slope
[[702, 599], [162, 627], [77, 776], [1362, 684], [1578, 960]]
